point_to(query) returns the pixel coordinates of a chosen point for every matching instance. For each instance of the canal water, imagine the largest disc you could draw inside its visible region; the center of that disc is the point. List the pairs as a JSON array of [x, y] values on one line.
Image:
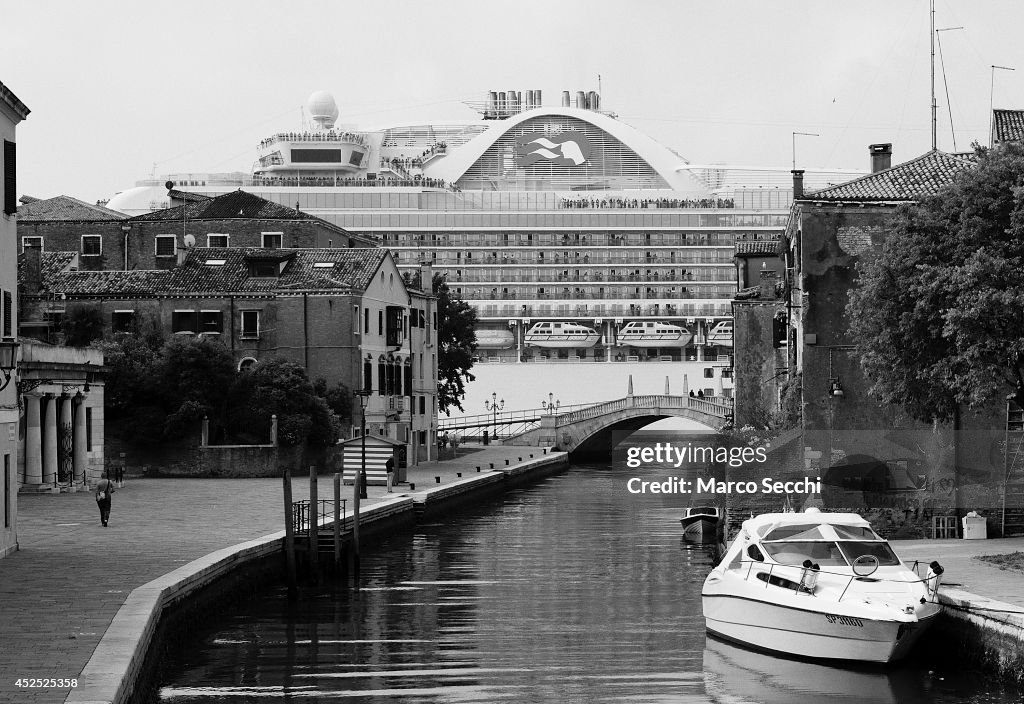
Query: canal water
[[569, 591]]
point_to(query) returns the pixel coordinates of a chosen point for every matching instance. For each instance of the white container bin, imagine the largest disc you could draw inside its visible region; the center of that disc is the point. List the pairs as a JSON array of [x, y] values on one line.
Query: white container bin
[[975, 528]]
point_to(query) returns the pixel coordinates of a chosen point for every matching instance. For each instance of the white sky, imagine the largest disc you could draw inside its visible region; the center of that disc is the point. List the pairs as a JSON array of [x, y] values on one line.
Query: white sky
[[193, 86]]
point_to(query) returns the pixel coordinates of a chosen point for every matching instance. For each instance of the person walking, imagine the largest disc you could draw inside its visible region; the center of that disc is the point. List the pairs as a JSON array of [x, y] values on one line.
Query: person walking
[[104, 488]]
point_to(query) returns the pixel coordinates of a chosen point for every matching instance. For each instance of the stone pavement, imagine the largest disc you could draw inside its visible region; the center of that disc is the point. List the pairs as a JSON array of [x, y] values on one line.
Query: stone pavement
[[60, 591], [966, 573]]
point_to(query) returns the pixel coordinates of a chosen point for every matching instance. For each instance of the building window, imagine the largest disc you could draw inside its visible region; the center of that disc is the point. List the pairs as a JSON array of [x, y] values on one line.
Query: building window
[[165, 245], [380, 322], [31, 242], [408, 377], [355, 319], [247, 364], [122, 320], [92, 245], [263, 268], [272, 240], [250, 324], [396, 324], [367, 376], [423, 405], [382, 376], [10, 178], [88, 429], [217, 240], [8, 314], [7, 491], [366, 320], [184, 321], [709, 372], [211, 322]]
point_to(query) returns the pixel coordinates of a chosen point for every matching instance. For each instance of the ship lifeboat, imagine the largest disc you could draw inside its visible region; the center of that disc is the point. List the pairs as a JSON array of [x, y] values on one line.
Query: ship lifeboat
[[494, 339], [653, 334], [561, 334], [721, 334]]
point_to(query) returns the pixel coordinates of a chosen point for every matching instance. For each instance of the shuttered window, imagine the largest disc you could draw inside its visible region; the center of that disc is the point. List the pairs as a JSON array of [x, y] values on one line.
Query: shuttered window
[[10, 181], [8, 313]]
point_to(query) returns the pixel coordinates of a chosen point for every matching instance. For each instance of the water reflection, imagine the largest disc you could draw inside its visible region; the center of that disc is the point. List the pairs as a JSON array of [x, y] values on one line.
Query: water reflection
[[565, 592]]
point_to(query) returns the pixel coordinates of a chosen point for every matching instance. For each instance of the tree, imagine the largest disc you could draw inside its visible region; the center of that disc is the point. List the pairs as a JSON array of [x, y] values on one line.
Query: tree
[[338, 398], [81, 324], [279, 387], [194, 376], [936, 315], [456, 343]]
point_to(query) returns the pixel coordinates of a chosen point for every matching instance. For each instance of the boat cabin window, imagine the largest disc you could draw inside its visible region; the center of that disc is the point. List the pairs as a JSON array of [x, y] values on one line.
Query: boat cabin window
[[794, 552], [797, 532], [707, 510], [853, 549], [755, 554], [855, 533]]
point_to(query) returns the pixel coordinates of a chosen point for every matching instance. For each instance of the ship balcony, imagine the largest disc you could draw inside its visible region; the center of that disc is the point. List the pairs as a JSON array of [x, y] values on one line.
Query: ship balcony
[[505, 312]]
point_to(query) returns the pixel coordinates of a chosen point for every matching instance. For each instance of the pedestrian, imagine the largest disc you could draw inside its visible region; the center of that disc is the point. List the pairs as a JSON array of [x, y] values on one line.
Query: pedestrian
[[104, 488]]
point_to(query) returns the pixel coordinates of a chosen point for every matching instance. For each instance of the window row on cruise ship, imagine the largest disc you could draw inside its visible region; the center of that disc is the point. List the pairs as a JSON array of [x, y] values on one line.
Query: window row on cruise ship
[[462, 217], [647, 203], [335, 180], [502, 274], [475, 293], [563, 239], [599, 310], [512, 258]]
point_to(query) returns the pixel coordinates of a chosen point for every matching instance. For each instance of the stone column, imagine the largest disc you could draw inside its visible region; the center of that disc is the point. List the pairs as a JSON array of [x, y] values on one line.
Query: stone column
[[79, 458], [50, 440], [33, 442]]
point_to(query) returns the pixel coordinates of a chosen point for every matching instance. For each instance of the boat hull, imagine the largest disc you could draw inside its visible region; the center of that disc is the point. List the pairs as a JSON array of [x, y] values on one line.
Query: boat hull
[[667, 340], [811, 633], [699, 528]]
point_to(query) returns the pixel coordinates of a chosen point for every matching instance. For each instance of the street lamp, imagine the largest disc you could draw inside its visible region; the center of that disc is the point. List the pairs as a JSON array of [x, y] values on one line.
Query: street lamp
[[8, 361], [493, 405], [551, 405], [357, 489]]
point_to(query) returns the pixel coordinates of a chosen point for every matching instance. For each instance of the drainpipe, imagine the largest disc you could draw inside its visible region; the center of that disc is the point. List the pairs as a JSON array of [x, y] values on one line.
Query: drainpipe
[[305, 330], [126, 229]]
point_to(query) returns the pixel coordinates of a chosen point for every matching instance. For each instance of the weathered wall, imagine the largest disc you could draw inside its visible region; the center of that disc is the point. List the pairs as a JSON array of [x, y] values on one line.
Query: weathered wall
[[756, 362]]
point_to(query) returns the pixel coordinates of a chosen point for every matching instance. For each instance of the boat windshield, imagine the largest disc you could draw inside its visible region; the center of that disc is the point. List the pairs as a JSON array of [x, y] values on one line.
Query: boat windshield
[[794, 552], [853, 549], [703, 510]]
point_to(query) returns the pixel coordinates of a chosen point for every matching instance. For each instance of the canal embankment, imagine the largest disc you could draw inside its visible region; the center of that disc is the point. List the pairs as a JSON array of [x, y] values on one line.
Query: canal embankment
[[75, 584]]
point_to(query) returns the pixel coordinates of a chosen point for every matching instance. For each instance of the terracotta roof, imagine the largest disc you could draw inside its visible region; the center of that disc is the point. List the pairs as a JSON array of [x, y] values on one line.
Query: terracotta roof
[[226, 270], [51, 264], [909, 181], [19, 108], [65, 208], [235, 205], [758, 248], [1008, 126]]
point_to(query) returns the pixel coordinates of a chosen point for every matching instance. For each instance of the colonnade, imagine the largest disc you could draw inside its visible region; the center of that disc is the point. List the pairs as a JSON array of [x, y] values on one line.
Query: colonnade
[[49, 443]]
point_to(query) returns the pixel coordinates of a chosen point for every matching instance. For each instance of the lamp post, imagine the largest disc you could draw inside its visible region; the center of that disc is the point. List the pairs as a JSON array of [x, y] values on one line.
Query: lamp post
[[494, 405], [357, 490], [551, 405], [8, 361]]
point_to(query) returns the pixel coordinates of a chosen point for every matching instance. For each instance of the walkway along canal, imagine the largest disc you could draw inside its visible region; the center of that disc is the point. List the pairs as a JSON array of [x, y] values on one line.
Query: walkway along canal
[[569, 590]]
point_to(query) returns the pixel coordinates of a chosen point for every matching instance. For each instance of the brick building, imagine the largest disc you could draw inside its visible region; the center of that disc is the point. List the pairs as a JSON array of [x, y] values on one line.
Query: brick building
[[343, 314], [871, 458], [106, 240]]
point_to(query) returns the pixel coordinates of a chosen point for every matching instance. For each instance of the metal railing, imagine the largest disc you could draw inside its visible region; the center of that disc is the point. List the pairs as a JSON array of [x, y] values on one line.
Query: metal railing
[[325, 512]]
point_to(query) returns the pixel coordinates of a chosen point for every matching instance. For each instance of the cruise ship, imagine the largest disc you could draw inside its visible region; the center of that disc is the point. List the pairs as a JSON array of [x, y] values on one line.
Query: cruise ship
[[579, 240]]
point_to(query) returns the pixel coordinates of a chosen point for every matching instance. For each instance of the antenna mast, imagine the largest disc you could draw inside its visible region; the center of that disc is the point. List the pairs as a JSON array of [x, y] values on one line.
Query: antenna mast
[[935, 118]]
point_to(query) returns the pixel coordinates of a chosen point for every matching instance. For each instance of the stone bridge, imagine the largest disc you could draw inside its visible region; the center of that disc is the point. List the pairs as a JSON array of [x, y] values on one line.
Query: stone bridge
[[595, 430]]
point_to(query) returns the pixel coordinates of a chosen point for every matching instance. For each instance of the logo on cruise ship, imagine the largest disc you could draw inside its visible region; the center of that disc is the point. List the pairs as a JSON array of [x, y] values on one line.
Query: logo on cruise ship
[[565, 148]]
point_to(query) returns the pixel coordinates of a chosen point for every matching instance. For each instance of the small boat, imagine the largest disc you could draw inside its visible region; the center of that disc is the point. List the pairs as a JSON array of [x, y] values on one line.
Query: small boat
[[643, 333], [495, 339], [700, 523], [561, 334], [721, 334], [819, 585]]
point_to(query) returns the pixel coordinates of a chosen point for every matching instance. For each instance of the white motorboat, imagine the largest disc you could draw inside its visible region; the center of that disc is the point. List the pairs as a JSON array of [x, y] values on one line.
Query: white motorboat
[[647, 333], [561, 334], [819, 585], [700, 523]]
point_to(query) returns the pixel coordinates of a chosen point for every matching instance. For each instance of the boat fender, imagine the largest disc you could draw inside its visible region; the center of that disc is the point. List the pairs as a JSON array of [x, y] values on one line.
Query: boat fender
[[809, 577], [934, 577]]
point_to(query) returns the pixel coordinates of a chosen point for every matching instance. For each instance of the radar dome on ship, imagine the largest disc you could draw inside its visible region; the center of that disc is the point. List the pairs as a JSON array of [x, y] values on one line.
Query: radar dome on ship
[[322, 109]]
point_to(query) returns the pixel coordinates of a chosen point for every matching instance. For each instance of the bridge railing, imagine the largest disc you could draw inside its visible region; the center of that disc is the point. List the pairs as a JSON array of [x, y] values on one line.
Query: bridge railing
[[509, 417], [718, 408]]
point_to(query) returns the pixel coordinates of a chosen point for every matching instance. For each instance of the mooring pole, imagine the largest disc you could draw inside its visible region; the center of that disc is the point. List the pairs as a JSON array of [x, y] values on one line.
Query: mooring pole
[[337, 520], [314, 525], [289, 533]]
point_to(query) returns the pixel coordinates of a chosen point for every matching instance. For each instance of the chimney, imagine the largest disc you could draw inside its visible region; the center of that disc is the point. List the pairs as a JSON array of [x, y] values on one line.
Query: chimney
[[33, 271], [427, 276], [767, 282], [798, 183], [881, 157]]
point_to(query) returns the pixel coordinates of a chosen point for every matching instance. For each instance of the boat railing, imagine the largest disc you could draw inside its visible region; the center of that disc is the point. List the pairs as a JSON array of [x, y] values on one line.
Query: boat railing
[[931, 581]]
